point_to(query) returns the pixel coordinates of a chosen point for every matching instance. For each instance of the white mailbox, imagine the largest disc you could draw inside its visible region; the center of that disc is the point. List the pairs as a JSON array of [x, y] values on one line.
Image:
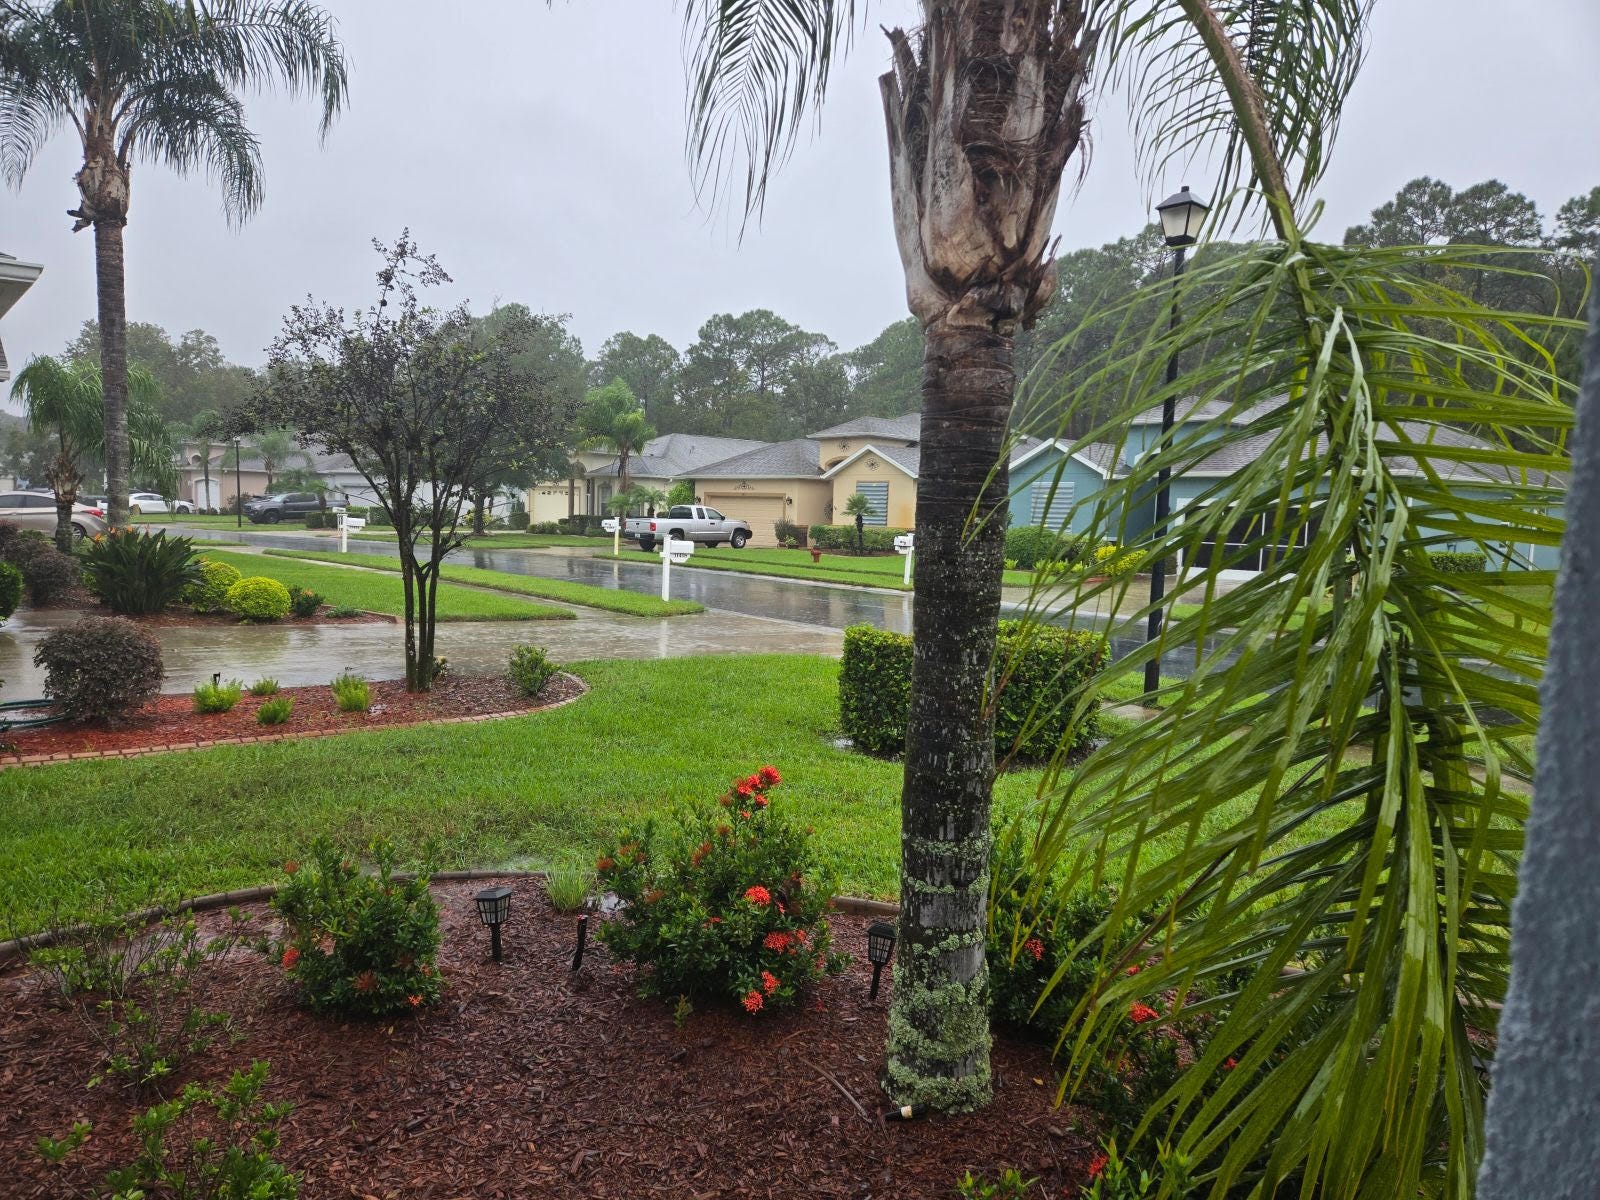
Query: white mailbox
[[609, 524], [903, 542], [355, 524], [347, 526], [679, 550]]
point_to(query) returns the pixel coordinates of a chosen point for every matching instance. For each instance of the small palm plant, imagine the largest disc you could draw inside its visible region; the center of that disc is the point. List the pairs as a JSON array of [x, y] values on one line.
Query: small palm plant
[[859, 507]]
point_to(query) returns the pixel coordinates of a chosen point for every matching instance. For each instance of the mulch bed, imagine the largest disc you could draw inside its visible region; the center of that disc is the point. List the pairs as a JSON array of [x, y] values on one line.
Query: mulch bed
[[529, 1081], [170, 721]]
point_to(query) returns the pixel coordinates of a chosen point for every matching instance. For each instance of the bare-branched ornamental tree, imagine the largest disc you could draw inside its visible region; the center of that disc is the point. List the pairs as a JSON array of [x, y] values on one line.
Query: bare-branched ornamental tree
[[985, 106], [157, 80], [425, 403]]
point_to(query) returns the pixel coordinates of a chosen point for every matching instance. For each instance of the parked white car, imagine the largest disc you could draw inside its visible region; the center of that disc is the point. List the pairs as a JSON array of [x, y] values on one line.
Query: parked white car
[[151, 502]]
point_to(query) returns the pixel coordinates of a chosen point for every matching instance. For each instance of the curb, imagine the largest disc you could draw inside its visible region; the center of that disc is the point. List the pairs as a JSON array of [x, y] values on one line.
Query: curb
[[17, 947], [40, 760]]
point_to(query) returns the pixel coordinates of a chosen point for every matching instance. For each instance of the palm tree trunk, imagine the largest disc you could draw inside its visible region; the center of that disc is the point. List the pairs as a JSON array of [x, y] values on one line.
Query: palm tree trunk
[[938, 1052], [113, 314], [477, 513]]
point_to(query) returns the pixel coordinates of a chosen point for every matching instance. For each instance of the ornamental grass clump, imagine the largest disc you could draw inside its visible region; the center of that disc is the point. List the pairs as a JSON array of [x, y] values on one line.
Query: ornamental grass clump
[[358, 944], [275, 711], [351, 692], [217, 696], [731, 904], [135, 572], [265, 686]]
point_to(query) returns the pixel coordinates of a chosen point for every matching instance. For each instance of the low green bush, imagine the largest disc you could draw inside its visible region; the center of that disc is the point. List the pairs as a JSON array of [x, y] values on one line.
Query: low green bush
[[530, 669], [568, 887], [315, 521], [135, 571], [1459, 562], [100, 669], [258, 598], [344, 610], [517, 521], [208, 592], [10, 589], [1042, 669], [358, 943], [1030, 546], [217, 696], [843, 537], [550, 527], [1112, 561], [275, 711], [304, 602], [788, 532], [265, 686], [49, 574], [730, 904], [351, 692]]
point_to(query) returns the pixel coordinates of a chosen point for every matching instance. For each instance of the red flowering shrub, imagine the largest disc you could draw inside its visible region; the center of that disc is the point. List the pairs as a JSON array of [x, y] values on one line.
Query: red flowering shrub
[[358, 943], [718, 910], [1140, 1013]]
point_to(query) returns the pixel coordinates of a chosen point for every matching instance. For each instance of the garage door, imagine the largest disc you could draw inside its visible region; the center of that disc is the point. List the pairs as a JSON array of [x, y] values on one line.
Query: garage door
[[760, 512]]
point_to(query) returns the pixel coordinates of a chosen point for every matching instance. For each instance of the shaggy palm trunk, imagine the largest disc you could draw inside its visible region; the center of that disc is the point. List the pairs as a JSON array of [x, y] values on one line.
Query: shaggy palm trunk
[[983, 110], [939, 1028], [113, 314], [477, 514]]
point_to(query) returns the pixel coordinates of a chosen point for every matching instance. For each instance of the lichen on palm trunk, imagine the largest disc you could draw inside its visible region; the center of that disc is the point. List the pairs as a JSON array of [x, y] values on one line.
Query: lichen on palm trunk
[[938, 1051]]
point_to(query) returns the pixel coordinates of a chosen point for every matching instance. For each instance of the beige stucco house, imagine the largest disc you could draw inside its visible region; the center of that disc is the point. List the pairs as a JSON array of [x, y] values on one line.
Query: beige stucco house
[[16, 277]]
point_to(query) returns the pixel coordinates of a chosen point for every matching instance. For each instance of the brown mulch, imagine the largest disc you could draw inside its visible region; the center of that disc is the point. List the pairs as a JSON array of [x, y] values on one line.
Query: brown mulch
[[169, 721], [189, 617], [530, 1081]]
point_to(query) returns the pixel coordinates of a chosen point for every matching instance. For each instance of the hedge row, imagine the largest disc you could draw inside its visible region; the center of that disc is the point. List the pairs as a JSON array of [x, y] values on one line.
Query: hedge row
[[1459, 562], [843, 537], [1044, 669]]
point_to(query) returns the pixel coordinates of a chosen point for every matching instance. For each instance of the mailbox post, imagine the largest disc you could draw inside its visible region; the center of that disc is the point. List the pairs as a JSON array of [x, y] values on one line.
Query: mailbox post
[[347, 525], [672, 551], [905, 543]]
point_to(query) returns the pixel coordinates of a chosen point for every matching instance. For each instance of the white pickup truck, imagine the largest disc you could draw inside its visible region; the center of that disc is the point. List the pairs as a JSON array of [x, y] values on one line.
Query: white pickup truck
[[686, 522]]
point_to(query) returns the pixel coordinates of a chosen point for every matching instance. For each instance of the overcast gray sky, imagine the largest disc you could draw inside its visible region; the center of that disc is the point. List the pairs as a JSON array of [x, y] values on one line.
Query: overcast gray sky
[[539, 152]]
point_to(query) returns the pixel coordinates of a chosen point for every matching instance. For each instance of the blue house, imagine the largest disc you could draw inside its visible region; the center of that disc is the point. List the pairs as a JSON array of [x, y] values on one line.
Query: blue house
[[1056, 483]]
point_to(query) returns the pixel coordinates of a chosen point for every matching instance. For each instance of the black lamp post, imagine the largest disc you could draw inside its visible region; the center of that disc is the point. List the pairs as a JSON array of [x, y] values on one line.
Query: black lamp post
[[880, 949], [494, 906], [238, 488], [1182, 218]]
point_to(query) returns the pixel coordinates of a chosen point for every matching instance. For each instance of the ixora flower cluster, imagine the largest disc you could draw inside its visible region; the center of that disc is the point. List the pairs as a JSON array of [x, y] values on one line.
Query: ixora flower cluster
[[731, 903], [365, 944]]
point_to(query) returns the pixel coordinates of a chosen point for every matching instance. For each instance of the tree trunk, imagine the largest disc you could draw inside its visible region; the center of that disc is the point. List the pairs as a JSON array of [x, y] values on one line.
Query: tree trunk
[[205, 466], [477, 514], [64, 479], [113, 314], [939, 1024]]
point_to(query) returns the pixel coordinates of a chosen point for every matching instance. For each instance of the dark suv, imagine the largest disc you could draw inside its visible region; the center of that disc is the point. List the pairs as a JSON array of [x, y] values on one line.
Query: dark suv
[[269, 510]]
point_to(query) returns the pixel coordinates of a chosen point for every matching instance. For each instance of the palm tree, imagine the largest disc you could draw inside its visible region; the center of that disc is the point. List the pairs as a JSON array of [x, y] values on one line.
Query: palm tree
[[275, 448], [612, 418], [204, 431], [156, 80], [984, 108], [63, 399], [859, 507]]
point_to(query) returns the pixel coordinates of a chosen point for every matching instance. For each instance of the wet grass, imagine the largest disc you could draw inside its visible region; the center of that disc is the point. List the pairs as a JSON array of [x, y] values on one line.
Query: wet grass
[[542, 790], [633, 604], [378, 592], [496, 541], [880, 571]]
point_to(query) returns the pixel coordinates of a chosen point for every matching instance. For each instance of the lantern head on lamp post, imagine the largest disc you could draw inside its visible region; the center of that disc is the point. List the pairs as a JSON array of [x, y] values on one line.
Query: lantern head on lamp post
[[880, 949], [494, 906], [1183, 216]]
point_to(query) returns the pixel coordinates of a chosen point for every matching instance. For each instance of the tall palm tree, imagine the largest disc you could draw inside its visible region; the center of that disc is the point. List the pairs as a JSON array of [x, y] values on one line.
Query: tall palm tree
[[612, 418], [64, 399], [276, 448], [984, 107], [157, 80], [205, 430]]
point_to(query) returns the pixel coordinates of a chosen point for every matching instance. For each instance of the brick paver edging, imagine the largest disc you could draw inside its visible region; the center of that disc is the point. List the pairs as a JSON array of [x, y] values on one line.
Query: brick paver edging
[[39, 760]]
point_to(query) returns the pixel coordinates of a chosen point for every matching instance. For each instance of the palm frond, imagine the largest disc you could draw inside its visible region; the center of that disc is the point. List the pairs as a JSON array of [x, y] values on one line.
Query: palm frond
[[757, 70], [193, 121], [1304, 56]]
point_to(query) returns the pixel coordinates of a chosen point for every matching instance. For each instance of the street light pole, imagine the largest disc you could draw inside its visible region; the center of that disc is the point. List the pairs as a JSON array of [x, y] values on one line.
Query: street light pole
[[238, 488], [1182, 217]]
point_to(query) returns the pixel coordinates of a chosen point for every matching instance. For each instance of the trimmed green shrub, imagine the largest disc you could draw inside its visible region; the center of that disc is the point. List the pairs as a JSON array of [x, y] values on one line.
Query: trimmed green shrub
[[1030, 546], [100, 669], [49, 574], [351, 692], [843, 537], [378, 519], [258, 598], [209, 590], [304, 602], [788, 531], [1459, 562], [217, 697], [275, 711], [1042, 669], [344, 610], [681, 492], [546, 527], [1112, 561], [135, 571], [517, 521], [358, 943], [530, 669], [10, 589], [315, 521], [730, 904]]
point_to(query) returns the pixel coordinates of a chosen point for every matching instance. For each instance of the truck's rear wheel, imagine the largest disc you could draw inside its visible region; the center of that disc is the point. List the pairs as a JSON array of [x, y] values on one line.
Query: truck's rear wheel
[[647, 543], [676, 533], [738, 540]]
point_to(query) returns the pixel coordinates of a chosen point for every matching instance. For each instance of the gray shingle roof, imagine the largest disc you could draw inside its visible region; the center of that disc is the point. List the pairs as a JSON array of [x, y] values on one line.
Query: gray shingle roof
[[676, 455], [906, 427], [796, 458]]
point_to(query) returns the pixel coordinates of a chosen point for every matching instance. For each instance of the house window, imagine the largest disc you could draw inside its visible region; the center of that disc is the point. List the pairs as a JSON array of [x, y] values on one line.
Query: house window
[[1052, 502], [877, 495]]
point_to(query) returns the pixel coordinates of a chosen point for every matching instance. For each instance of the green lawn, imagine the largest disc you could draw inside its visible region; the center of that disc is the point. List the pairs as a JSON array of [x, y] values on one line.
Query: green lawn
[[496, 541], [882, 571], [529, 791], [380, 592], [634, 604]]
